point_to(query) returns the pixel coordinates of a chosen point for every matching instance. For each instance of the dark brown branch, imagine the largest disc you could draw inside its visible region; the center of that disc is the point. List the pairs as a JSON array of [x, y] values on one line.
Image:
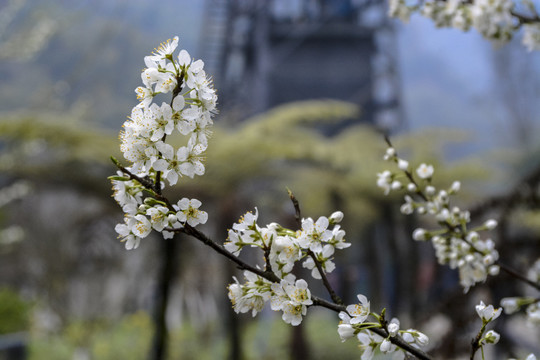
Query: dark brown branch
[[190, 230], [324, 279], [524, 19]]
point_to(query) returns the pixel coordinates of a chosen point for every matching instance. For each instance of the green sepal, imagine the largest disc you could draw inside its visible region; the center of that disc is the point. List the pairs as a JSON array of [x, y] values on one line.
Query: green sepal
[[118, 178], [151, 202]]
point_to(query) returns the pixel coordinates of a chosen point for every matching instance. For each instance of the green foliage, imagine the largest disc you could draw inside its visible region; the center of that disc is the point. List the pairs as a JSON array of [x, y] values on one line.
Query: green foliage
[[57, 149], [14, 312], [69, 140], [128, 339]]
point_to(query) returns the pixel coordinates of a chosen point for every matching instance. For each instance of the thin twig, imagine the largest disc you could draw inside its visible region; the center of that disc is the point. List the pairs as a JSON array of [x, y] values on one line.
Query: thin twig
[[298, 216], [517, 275], [146, 182]]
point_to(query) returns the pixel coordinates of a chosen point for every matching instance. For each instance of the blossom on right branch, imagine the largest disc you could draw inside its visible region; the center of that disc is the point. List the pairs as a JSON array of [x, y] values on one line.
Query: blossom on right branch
[[455, 244]]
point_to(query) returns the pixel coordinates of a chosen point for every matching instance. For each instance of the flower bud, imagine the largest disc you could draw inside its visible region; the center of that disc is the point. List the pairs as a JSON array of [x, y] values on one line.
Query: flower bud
[[420, 234], [421, 338], [386, 346], [490, 224], [345, 331], [510, 305], [411, 187], [390, 153], [396, 185], [403, 165], [406, 209], [336, 217], [393, 327], [456, 186], [492, 337]]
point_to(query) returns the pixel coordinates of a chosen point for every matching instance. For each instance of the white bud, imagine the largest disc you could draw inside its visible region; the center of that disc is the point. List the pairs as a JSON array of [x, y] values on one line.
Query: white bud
[[490, 224], [456, 186], [472, 236], [430, 190], [492, 337], [494, 270], [420, 234], [385, 346], [406, 209], [411, 187], [510, 305], [403, 165], [393, 327], [443, 215], [336, 217], [408, 337], [345, 331], [390, 153], [421, 338], [396, 185]]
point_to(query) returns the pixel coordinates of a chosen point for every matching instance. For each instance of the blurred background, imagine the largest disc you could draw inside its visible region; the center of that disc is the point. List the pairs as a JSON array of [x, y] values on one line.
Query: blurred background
[[307, 88]]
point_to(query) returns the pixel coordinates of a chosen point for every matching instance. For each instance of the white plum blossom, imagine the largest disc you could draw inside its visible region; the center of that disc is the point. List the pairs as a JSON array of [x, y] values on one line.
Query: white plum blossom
[[314, 234], [251, 296], [487, 313], [165, 49], [143, 141], [425, 171], [368, 343], [496, 20], [127, 236], [188, 212], [359, 312], [161, 217], [384, 181], [474, 257], [323, 257]]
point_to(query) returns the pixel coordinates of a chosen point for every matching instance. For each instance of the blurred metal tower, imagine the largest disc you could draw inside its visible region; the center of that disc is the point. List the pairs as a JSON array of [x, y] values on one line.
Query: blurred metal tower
[[268, 52]]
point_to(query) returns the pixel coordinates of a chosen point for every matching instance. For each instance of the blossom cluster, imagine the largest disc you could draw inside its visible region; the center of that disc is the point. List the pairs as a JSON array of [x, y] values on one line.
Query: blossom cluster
[[314, 245], [189, 113], [315, 242], [353, 324], [455, 244], [290, 296], [494, 19]]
